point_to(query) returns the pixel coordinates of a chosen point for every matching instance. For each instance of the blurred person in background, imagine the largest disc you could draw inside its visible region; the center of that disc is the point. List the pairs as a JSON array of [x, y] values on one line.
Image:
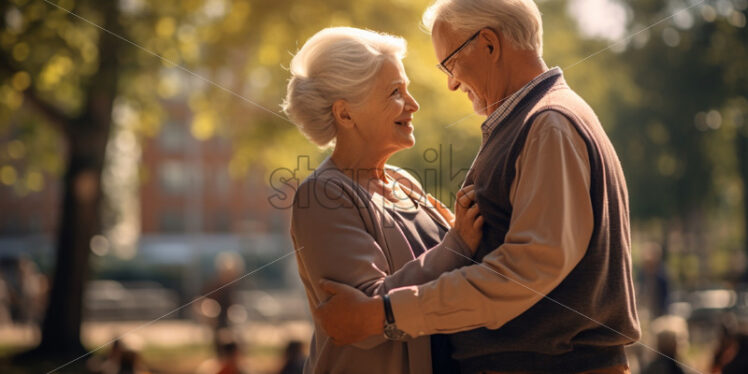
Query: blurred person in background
[[229, 267], [356, 219], [671, 334], [5, 317], [33, 289], [220, 294], [26, 289], [294, 358], [108, 364], [131, 363], [653, 284], [123, 358], [739, 363], [228, 358], [12, 278], [731, 354]]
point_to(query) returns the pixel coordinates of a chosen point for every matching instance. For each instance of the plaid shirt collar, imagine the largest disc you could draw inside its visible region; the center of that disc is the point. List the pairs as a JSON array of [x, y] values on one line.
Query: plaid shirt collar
[[510, 102]]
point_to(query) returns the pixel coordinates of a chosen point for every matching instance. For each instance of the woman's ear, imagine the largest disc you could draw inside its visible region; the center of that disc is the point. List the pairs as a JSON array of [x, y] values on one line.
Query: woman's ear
[[342, 114]]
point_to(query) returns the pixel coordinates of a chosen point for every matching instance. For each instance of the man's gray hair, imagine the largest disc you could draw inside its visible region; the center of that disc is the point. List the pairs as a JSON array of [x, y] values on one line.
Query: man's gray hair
[[336, 63], [518, 20]]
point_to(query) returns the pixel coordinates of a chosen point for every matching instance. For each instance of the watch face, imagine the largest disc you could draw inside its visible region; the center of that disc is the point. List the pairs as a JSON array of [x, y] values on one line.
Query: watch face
[[391, 332]]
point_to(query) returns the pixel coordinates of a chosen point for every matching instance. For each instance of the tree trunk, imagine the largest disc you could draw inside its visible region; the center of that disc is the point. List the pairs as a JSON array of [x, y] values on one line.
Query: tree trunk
[[80, 213], [79, 221], [741, 138]]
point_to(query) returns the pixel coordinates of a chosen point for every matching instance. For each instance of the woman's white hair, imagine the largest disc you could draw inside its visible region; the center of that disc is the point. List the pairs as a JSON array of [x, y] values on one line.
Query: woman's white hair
[[336, 63], [519, 20]]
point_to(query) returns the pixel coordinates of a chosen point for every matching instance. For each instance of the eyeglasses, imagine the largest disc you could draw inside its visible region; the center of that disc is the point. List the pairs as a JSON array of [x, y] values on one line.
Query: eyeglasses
[[443, 65]]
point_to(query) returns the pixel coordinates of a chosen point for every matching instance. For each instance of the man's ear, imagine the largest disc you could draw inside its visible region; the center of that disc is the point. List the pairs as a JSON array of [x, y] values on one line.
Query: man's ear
[[342, 114], [493, 42]]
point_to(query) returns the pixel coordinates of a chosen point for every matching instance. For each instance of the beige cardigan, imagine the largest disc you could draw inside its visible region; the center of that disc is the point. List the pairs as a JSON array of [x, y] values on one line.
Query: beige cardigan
[[342, 233]]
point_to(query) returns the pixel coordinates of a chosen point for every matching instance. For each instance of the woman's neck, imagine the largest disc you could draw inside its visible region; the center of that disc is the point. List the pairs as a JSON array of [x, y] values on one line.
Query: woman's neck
[[361, 166]]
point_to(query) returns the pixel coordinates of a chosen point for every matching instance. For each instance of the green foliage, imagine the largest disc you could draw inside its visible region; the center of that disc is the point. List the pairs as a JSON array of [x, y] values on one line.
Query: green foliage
[[678, 140], [225, 59], [685, 79], [673, 97]]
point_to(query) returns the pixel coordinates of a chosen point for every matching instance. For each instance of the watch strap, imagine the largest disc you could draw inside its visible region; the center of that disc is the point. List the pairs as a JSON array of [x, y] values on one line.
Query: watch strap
[[388, 315]]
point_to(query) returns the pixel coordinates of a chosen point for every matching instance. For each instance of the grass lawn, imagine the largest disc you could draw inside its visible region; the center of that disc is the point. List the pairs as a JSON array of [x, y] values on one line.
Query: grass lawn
[[172, 360]]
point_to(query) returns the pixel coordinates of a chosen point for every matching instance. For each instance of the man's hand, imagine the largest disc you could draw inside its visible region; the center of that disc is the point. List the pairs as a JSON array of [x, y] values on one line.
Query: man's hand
[[349, 316]]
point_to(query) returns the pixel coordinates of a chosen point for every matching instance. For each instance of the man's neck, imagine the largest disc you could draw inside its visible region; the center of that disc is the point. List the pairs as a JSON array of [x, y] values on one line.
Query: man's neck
[[524, 69], [528, 69]]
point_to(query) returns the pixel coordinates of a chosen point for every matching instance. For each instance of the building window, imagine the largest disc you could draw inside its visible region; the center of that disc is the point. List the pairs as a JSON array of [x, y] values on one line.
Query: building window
[[222, 182], [174, 137], [13, 225], [172, 221], [36, 224], [222, 221], [174, 177]]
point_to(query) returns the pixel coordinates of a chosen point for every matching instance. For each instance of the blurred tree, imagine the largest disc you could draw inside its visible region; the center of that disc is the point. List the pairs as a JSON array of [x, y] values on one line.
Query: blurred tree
[[70, 69], [664, 100], [65, 76], [691, 75]]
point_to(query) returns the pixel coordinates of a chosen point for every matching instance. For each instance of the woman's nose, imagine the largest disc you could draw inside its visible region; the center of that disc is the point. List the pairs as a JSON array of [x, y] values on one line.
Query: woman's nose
[[412, 103]]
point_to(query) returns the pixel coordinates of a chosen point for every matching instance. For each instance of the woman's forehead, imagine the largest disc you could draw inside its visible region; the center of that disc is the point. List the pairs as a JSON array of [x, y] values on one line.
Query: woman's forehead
[[392, 72]]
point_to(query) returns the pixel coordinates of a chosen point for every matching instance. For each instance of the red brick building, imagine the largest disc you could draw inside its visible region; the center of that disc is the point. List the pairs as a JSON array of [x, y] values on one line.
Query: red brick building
[[186, 186]]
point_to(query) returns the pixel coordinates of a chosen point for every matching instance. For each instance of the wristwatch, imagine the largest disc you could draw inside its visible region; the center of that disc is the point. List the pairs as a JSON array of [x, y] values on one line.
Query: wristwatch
[[391, 332]]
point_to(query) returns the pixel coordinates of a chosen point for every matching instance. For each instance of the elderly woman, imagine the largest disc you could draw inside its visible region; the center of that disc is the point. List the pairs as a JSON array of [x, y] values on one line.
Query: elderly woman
[[356, 219]]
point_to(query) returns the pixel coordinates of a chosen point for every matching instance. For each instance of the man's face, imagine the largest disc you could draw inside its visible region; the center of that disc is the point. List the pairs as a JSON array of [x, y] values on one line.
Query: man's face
[[469, 67]]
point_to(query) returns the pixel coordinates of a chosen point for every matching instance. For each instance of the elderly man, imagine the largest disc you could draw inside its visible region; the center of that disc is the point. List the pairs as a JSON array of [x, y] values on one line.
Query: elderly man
[[551, 287]]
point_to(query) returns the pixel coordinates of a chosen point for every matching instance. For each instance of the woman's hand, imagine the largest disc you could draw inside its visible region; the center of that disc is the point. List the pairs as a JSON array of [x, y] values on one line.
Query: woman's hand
[[442, 210], [468, 221]]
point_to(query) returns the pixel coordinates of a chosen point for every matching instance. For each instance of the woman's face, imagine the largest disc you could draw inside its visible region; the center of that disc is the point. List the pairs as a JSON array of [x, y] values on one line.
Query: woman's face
[[384, 119]]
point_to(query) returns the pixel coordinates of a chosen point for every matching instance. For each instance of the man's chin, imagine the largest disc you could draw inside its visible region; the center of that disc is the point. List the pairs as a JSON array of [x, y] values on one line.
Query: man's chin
[[480, 108]]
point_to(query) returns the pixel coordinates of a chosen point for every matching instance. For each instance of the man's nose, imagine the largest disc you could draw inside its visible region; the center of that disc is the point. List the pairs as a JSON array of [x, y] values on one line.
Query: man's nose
[[452, 83]]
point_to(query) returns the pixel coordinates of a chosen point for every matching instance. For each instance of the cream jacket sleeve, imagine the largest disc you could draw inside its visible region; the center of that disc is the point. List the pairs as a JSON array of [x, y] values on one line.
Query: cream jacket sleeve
[[549, 231]]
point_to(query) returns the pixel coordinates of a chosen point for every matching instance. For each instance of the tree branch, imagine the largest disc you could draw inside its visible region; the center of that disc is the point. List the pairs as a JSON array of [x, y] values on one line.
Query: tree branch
[[53, 114], [58, 118]]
